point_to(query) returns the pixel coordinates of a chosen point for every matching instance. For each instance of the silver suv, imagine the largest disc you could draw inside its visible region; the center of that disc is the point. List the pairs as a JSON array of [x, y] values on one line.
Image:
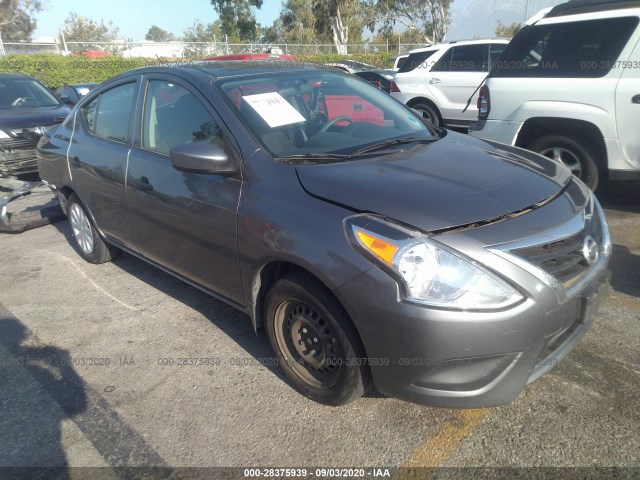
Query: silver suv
[[568, 87], [438, 80]]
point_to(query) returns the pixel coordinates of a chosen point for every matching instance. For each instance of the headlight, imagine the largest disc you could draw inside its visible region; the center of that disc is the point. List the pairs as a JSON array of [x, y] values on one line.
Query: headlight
[[429, 272]]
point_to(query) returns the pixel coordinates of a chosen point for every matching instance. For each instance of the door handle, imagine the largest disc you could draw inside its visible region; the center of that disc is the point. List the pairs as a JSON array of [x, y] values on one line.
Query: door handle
[[75, 162], [636, 99], [434, 81], [143, 184]]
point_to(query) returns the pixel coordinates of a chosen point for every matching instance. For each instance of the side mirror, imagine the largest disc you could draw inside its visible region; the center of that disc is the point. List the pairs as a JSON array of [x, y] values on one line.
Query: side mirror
[[201, 157], [67, 100]]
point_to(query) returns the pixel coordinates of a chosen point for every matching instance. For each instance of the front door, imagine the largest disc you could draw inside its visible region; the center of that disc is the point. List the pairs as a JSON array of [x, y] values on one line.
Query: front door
[[183, 221]]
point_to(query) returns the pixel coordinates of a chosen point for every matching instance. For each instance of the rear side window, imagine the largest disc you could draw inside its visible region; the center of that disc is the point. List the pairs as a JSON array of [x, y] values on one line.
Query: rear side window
[[586, 49], [108, 115], [415, 60], [467, 58]]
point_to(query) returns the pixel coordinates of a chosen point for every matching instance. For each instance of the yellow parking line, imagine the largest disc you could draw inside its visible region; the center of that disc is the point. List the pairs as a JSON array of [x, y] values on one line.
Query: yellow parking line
[[439, 447]]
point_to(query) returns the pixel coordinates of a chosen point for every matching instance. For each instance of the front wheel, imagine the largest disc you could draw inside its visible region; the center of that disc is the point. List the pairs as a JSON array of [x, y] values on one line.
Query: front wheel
[[314, 341], [88, 242], [573, 152]]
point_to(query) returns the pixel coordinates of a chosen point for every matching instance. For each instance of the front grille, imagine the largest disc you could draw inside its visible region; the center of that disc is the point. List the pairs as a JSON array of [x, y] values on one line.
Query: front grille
[[13, 143], [18, 162], [17, 154], [564, 259]]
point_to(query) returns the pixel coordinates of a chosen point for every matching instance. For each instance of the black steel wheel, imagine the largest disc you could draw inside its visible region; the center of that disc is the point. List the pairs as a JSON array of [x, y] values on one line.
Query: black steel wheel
[[315, 342]]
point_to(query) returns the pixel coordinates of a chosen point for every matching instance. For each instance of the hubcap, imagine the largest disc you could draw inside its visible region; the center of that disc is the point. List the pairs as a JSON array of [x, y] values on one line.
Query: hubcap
[[567, 157], [309, 343], [81, 229]]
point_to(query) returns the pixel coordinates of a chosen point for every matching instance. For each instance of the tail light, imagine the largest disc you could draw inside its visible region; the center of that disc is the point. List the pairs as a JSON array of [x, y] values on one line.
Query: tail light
[[484, 103], [394, 87]]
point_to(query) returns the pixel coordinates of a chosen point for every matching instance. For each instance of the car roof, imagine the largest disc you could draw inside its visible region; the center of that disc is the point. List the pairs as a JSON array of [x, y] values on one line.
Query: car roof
[[13, 75], [575, 7], [225, 69], [438, 46]]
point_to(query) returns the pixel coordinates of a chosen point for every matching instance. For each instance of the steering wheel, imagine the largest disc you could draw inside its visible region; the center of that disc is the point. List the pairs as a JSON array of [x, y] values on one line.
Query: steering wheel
[[19, 101], [332, 122]]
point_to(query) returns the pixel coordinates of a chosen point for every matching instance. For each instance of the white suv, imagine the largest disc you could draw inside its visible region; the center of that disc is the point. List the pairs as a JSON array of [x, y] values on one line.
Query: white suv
[[438, 80], [568, 87]]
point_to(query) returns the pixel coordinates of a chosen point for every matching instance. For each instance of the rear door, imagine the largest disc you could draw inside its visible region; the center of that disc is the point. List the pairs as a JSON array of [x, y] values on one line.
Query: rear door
[[454, 78], [183, 221], [98, 156], [628, 108]]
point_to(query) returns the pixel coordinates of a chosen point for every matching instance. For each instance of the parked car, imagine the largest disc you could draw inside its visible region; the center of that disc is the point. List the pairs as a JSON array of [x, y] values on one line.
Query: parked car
[[375, 76], [27, 108], [399, 61], [359, 245], [438, 80], [70, 94], [568, 87]]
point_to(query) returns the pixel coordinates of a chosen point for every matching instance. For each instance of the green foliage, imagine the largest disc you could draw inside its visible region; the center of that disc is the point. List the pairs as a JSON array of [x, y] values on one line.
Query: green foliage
[[199, 32], [17, 21], [81, 29], [237, 19], [55, 70], [507, 31], [429, 18], [157, 34]]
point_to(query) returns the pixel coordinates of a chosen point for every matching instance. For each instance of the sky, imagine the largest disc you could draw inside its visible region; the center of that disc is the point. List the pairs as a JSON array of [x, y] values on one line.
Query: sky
[[134, 17]]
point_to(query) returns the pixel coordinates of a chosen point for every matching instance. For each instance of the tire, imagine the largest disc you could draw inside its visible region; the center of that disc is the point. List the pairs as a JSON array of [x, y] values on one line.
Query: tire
[[428, 112], [574, 152], [86, 239], [330, 367]]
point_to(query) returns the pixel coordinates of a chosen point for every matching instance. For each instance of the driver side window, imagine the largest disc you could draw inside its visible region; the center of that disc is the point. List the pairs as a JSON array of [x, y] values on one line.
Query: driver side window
[[174, 116]]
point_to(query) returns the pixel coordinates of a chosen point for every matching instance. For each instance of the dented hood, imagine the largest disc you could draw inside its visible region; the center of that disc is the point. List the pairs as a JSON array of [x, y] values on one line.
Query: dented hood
[[449, 183]]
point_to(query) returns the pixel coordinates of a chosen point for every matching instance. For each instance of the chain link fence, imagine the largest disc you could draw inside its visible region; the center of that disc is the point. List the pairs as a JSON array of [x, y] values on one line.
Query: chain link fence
[[190, 50]]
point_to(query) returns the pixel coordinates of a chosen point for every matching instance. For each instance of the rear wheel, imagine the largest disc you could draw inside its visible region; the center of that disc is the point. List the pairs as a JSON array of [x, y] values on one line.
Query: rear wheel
[[576, 153], [315, 342], [428, 112], [88, 242]]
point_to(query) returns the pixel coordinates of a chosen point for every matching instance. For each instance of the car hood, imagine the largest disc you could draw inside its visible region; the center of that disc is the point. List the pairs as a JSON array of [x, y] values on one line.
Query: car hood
[[453, 182], [28, 117]]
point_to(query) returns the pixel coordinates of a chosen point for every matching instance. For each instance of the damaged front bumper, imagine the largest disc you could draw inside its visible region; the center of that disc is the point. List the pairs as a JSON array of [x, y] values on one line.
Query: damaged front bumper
[[21, 191]]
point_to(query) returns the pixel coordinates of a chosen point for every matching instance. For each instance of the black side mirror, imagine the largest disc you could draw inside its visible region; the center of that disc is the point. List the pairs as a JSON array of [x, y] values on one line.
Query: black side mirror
[[201, 157], [67, 100]]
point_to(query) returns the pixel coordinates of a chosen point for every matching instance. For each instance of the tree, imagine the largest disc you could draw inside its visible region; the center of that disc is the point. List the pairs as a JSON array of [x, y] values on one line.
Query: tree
[[16, 19], [343, 20], [157, 34], [507, 31], [198, 35], [89, 34], [273, 34], [237, 19], [430, 18], [298, 21]]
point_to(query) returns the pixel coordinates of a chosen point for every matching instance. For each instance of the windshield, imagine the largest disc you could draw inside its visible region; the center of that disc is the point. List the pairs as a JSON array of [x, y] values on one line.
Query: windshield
[[25, 92], [320, 112]]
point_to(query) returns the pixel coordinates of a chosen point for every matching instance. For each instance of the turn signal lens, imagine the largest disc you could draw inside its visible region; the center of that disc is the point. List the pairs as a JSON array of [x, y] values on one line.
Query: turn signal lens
[[381, 249]]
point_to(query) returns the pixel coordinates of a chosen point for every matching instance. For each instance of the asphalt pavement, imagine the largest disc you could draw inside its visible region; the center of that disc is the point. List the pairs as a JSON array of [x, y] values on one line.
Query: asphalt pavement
[[122, 365]]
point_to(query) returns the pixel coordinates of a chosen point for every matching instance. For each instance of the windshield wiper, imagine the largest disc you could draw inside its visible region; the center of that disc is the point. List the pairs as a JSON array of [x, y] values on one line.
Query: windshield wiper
[[315, 158], [395, 141]]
